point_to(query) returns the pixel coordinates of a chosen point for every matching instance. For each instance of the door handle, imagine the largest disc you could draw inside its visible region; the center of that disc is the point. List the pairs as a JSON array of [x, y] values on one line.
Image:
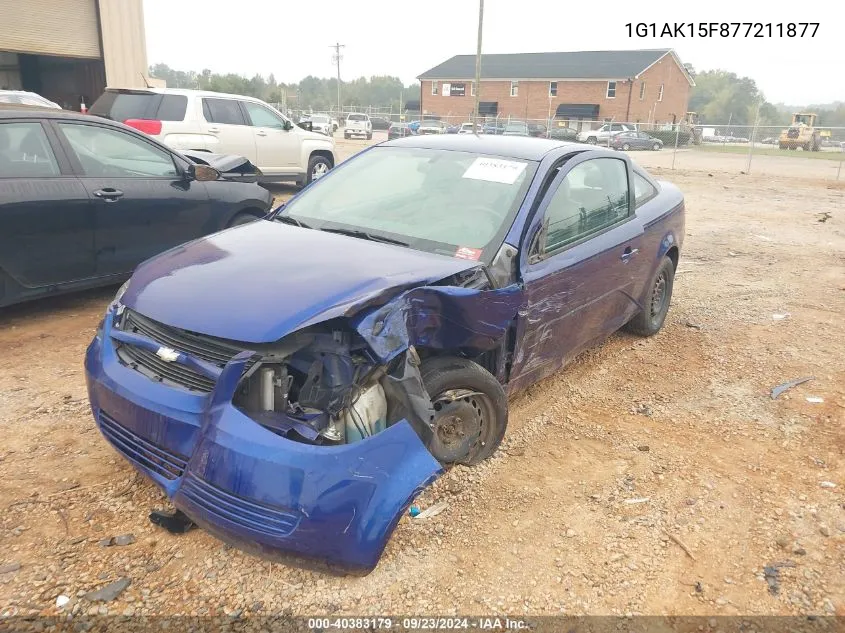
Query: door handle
[[214, 130], [108, 194], [261, 133], [628, 253]]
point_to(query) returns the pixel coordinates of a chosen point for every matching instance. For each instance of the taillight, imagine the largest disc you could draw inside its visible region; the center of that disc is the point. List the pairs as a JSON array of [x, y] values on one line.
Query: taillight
[[147, 126]]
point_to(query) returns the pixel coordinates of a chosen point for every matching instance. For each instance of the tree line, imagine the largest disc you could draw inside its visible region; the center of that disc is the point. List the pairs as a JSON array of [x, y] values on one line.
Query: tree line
[[718, 97], [314, 93]]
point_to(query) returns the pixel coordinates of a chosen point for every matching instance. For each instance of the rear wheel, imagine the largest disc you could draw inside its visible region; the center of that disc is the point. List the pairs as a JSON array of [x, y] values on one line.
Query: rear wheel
[[656, 146], [470, 410], [626, 147], [650, 320]]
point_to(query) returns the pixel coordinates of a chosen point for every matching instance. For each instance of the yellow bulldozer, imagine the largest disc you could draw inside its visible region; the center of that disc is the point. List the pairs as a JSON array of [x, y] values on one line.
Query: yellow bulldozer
[[802, 134]]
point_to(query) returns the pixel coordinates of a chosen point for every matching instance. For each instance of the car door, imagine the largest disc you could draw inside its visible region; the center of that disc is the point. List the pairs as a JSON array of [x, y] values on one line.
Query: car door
[[276, 143], [581, 264], [143, 202], [46, 218], [225, 122]]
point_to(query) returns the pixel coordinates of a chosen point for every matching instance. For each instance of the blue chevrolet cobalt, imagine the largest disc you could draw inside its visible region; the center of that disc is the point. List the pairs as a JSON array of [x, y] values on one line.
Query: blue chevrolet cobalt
[[292, 384]]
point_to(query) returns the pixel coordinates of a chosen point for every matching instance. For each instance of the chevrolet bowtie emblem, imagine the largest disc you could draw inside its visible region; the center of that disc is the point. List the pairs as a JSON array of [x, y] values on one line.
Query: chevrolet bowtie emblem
[[167, 355]]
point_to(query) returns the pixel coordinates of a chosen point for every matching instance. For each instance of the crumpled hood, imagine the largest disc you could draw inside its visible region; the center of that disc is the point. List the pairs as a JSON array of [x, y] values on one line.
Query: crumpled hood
[[260, 281]]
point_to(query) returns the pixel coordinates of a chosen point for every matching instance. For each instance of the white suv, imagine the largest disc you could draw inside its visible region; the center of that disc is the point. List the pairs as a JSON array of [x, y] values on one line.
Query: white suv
[[223, 124], [604, 132], [358, 124]]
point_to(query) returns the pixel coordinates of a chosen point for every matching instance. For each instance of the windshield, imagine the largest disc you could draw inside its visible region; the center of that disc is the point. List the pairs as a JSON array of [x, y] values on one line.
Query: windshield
[[356, 117], [319, 119], [434, 200]]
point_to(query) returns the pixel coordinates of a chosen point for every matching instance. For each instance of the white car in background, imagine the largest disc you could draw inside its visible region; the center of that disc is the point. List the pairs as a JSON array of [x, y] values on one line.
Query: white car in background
[[321, 123], [604, 132], [358, 124], [22, 97], [466, 128], [223, 124]]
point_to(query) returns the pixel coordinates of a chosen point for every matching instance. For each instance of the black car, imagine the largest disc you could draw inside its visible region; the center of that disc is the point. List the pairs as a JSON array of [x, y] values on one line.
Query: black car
[[84, 200], [537, 130], [635, 140], [398, 130], [379, 123], [563, 133]]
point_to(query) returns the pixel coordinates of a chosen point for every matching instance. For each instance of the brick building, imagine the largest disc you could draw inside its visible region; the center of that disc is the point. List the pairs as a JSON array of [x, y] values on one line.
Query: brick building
[[645, 86]]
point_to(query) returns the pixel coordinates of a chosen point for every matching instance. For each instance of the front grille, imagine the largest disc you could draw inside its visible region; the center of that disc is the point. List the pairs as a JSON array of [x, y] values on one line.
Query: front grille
[[211, 350], [143, 452], [252, 515]]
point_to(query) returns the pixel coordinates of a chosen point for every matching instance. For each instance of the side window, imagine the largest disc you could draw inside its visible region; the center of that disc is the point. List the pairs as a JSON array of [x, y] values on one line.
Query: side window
[[223, 111], [25, 151], [643, 190], [592, 196], [261, 116], [104, 153]]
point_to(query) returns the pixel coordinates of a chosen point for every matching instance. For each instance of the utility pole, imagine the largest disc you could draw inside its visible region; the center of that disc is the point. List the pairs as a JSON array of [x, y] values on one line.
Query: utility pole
[[478, 68], [336, 59]]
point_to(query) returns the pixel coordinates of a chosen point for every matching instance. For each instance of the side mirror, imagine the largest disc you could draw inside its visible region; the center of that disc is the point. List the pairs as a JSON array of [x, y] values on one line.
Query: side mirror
[[306, 125], [202, 173]]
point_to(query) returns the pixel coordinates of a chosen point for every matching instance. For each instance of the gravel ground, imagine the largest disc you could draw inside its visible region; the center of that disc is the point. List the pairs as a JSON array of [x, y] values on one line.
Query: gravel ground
[[652, 476]]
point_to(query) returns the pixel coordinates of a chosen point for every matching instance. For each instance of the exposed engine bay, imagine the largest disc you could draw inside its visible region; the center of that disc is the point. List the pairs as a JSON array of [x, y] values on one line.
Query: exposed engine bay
[[321, 387]]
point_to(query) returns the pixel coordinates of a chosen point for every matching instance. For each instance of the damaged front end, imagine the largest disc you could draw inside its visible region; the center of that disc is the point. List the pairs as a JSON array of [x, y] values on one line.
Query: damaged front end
[[309, 447]]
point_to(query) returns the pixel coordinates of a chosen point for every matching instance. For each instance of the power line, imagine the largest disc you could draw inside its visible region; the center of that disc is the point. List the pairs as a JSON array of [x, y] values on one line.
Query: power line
[[336, 59]]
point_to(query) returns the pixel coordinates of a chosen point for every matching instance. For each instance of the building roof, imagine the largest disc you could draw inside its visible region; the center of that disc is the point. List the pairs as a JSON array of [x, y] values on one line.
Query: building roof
[[592, 65]]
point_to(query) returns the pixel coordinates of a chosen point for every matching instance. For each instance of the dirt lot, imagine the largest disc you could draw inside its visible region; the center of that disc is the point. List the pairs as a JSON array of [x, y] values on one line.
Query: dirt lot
[[609, 471]]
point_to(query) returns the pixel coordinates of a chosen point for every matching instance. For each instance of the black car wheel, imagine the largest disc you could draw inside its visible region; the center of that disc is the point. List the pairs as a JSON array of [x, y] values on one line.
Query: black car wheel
[[318, 167], [243, 218], [470, 410], [656, 306], [657, 146]]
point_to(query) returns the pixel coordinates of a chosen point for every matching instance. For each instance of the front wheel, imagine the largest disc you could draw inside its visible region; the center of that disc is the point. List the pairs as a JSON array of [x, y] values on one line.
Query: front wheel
[[592, 140], [657, 146], [470, 410], [650, 320], [626, 147], [318, 167], [370, 136]]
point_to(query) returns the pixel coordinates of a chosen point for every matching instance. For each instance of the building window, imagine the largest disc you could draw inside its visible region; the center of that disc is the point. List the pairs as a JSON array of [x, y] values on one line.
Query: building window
[[514, 88], [435, 87], [642, 91], [472, 89], [552, 88], [611, 89], [660, 94]]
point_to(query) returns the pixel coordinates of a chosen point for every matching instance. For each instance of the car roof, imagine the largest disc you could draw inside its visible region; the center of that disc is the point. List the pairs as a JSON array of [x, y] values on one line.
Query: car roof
[[37, 112], [183, 91], [510, 146]]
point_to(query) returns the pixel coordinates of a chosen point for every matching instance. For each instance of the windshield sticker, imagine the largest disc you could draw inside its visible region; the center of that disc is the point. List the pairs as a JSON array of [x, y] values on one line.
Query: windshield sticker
[[465, 252], [495, 170]]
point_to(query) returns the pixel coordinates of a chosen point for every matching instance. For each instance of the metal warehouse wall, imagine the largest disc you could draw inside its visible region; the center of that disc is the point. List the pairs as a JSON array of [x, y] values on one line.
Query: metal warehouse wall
[[50, 27], [124, 43]]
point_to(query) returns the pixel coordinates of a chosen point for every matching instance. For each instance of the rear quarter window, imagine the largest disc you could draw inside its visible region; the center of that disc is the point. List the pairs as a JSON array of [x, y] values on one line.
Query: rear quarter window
[[120, 106]]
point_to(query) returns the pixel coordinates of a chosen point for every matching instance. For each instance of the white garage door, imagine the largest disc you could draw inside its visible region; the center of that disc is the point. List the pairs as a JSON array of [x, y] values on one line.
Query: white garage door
[[50, 27]]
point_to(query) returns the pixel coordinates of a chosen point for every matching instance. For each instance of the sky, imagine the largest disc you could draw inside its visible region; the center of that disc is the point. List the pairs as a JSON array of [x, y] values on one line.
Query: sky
[[294, 39]]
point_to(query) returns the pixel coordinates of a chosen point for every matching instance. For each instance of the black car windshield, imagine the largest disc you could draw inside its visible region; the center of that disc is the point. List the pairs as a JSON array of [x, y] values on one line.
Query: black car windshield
[[447, 202]]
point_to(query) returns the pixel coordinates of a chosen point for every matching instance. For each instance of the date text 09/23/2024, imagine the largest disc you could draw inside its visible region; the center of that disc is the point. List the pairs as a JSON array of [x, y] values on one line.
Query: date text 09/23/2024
[[722, 29]]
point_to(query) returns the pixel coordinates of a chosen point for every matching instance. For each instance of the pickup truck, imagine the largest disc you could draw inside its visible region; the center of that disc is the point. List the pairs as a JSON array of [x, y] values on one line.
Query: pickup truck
[[604, 132], [358, 124]]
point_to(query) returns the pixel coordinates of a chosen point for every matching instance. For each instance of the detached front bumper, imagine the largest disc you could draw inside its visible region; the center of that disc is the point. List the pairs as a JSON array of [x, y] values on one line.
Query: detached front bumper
[[250, 487]]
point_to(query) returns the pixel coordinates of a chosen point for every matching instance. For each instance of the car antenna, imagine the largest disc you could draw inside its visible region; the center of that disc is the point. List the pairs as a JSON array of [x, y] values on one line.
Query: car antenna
[[146, 83]]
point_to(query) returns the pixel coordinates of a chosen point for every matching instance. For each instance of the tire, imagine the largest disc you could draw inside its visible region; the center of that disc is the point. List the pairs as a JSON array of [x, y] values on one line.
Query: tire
[[244, 217], [592, 140], [370, 136], [625, 147], [346, 136], [649, 321], [318, 167], [657, 147], [489, 410]]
